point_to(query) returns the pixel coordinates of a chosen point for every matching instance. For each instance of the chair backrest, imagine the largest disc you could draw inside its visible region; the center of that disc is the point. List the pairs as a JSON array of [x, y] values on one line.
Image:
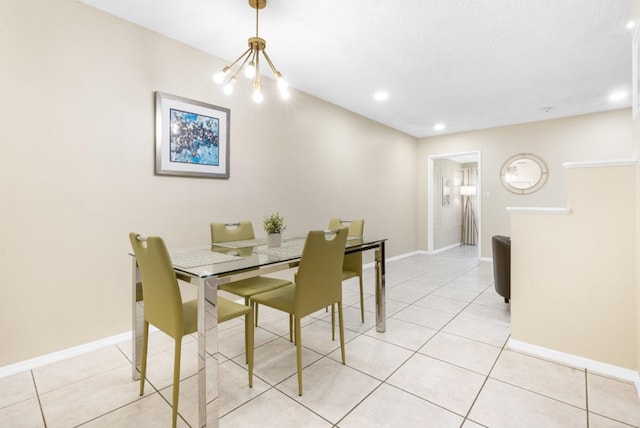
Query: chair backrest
[[225, 232], [319, 276], [356, 228], [160, 291], [501, 247]]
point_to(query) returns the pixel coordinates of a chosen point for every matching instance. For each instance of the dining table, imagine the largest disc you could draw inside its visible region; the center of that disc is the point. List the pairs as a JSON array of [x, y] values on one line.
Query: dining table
[[211, 265]]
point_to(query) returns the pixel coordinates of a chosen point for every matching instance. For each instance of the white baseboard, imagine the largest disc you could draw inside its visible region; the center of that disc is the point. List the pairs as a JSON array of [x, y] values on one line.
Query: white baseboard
[[393, 259], [440, 250], [63, 354], [402, 256], [579, 362]]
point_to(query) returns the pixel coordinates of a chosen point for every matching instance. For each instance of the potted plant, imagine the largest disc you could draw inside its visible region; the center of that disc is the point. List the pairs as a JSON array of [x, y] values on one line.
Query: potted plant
[[274, 226]]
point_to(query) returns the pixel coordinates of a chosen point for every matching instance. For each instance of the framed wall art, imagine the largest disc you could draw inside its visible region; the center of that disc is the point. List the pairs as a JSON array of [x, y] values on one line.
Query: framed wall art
[[192, 138], [446, 191]]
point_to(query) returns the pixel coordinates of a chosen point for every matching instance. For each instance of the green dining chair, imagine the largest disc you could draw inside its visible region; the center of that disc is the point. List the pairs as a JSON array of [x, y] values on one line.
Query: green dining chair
[[245, 288], [352, 266], [318, 284], [164, 308]]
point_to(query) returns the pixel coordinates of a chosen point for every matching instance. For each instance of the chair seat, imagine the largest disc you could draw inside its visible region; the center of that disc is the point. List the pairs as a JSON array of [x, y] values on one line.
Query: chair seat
[[228, 309], [250, 286], [346, 274], [282, 298]]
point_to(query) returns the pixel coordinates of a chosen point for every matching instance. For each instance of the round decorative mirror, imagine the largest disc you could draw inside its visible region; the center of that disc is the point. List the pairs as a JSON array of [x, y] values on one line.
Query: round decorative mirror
[[524, 173]]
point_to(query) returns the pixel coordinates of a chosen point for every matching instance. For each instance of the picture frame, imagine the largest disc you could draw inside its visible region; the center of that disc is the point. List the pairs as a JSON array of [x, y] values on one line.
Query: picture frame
[[636, 72], [192, 138], [446, 191]]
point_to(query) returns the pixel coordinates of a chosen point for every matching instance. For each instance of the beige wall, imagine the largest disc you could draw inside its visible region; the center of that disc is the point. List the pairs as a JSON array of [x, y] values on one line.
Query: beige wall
[[580, 138], [573, 277], [78, 160]]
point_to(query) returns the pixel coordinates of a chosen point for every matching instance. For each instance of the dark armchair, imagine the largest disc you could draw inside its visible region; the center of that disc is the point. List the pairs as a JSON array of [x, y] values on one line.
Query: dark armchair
[[501, 246]]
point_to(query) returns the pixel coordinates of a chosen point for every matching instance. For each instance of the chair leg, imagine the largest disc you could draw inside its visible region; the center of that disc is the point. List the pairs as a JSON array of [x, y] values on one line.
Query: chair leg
[[143, 365], [298, 354], [341, 324], [176, 380], [361, 299], [246, 318], [255, 316], [290, 328], [248, 333], [333, 322]]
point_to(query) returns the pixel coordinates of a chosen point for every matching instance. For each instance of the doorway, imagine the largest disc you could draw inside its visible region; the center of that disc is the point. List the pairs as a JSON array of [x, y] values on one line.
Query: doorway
[[444, 202]]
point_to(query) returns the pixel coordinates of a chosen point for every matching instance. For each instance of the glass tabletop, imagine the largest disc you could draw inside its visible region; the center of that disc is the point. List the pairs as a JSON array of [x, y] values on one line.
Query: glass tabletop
[[229, 258]]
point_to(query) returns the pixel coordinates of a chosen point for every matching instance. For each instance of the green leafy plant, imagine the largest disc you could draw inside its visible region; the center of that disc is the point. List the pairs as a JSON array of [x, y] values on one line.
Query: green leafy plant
[[274, 223]]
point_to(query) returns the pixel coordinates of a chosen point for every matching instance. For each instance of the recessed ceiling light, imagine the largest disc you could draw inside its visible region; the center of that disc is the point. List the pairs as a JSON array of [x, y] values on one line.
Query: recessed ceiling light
[[438, 126], [618, 96], [381, 95], [630, 25]]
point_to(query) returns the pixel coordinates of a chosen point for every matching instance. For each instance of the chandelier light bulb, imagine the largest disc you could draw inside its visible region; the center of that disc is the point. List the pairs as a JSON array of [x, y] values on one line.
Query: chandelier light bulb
[[219, 76], [285, 94], [282, 84], [228, 89], [250, 71], [257, 92]]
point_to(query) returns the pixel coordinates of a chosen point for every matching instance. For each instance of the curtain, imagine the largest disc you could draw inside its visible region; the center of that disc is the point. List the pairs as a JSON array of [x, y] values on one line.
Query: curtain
[[469, 234]]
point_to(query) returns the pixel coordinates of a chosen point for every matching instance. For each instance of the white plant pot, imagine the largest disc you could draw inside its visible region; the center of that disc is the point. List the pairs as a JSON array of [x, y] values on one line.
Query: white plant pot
[[274, 240]]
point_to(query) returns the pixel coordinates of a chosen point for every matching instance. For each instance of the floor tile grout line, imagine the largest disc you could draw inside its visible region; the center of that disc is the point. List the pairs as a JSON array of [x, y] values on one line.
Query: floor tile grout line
[[466, 417], [532, 391], [586, 395], [35, 387]]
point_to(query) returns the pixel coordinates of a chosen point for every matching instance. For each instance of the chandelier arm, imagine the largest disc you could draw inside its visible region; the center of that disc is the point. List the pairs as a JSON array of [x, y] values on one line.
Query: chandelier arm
[[257, 62], [247, 55], [273, 68], [239, 58]]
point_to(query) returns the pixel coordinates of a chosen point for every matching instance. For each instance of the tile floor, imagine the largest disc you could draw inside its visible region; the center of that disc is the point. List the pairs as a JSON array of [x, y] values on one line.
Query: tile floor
[[441, 363]]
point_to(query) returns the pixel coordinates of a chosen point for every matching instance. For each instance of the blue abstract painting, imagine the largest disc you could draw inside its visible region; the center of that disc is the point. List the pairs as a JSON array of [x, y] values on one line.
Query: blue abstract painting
[[194, 138]]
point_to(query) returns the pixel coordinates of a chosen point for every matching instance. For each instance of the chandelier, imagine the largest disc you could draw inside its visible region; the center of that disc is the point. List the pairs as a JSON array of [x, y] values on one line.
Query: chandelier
[[251, 56]]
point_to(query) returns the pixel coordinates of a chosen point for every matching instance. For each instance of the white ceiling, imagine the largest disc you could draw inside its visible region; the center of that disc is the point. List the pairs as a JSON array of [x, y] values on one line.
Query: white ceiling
[[469, 64]]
